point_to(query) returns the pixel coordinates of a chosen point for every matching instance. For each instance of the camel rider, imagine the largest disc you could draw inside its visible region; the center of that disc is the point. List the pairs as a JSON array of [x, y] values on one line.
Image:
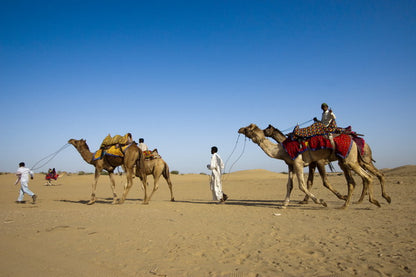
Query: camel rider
[[142, 145], [328, 116]]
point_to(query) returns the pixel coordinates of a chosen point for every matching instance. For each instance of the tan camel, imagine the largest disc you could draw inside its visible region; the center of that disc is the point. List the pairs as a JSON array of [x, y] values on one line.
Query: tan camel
[[132, 157], [296, 165], [156, 167], [365, 161], [279, 137]]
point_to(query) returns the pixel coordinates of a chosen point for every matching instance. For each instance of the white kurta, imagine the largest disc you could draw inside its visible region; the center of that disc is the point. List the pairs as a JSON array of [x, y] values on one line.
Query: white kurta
[[327, 118], [216, 167], [23, 174], [143, 146]]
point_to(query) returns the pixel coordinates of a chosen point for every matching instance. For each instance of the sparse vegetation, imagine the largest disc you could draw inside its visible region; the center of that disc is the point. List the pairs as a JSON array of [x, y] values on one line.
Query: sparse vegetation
[[174, 172]]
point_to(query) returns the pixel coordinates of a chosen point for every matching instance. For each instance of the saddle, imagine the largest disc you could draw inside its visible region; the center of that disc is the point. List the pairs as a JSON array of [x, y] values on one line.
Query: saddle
[[113, 150], [151, 155]]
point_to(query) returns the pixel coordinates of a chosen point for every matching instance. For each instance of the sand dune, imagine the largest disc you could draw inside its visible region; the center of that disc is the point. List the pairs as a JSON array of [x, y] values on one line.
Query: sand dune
[[248, 236]]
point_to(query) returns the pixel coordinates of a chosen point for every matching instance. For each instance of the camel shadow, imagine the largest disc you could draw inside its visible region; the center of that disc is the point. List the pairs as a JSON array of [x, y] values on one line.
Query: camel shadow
[[236, 202], [276, 204], [108, 201]]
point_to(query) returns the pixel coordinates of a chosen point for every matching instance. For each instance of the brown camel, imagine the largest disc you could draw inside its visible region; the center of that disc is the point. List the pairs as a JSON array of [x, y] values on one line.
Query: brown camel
[[296, 165], [365, 161], [132, 157], [156, 167]]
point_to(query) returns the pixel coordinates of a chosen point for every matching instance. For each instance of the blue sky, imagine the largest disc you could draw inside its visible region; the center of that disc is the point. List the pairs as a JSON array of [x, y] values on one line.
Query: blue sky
[[186, 75]]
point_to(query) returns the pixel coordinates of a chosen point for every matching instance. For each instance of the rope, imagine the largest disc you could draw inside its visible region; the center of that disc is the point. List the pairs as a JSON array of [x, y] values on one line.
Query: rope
[[225, 176], [291, 128], [235, 146], [51, 156]]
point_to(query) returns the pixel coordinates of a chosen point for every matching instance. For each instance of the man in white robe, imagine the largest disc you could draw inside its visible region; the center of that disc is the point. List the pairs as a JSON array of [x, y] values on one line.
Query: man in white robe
[[216, 166]]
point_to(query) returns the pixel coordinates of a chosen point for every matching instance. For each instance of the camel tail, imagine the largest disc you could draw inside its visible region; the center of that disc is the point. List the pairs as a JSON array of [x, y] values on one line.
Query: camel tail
[[166, 172]]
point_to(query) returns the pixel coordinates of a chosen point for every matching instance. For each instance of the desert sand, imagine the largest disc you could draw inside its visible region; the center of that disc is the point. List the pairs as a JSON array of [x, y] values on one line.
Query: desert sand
[[249, 235]]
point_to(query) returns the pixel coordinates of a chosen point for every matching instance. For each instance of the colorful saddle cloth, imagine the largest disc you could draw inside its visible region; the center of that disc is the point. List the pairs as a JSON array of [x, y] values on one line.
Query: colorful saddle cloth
[[316, 129], [294, 148], [112, 151], [150, 155]]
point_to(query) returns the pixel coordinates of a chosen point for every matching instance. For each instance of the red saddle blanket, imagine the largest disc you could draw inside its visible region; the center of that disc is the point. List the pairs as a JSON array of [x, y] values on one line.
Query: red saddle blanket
[[294, 148]]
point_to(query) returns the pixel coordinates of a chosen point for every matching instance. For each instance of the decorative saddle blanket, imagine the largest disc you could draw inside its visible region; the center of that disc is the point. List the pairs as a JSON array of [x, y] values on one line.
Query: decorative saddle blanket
[[294, 148], [151, 155], [112, 151], [316, 129]]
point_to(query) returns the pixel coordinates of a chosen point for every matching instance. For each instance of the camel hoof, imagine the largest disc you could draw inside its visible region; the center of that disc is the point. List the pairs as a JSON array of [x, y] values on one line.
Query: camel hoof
[[91, 202], [387, 198], [145, 203], [375, 202], [303, 202], [172, 200], [343, 197], [323, 203]]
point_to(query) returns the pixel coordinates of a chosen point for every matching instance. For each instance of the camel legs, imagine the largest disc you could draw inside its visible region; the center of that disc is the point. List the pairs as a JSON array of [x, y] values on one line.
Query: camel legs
[[94, 185], [113, 187], [129, 184], [373, 170], [289, 186], [322, 173], [347, 167], [156, 177], [298, 169], [167, 178]]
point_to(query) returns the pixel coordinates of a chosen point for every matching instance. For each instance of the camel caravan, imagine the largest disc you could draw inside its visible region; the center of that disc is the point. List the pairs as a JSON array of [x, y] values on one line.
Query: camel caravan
[[123, 151], [314, 146]]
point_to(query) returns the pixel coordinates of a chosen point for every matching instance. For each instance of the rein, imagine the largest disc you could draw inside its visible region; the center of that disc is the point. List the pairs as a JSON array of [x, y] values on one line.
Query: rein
[[51, 156]]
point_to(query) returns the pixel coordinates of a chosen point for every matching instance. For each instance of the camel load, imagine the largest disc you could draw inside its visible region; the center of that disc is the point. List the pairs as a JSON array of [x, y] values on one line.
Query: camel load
[[116, 140]]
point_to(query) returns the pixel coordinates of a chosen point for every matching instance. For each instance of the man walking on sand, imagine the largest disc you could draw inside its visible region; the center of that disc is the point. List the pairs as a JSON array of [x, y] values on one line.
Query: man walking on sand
[[216, 166], [23, 174]]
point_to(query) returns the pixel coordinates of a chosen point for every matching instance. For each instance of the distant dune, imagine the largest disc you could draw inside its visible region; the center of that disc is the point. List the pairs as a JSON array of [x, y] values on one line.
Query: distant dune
[[408, 170]]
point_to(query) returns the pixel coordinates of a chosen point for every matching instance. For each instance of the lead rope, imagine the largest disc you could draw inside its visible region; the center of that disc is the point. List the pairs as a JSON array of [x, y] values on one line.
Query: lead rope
[[225, 176], [51, 156]]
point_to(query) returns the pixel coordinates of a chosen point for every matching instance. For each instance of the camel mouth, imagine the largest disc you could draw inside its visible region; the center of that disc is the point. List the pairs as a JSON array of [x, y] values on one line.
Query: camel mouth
[[242, 130]]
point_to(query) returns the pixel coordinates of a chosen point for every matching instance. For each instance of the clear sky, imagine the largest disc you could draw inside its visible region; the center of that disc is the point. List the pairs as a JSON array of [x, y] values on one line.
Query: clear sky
[[186, 75]]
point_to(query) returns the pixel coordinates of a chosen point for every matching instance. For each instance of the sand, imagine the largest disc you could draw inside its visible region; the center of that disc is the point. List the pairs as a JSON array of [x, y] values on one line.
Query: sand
[[250, 235]]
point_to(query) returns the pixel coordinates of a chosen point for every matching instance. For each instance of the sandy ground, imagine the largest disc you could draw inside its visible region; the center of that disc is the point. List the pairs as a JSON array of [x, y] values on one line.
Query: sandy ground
[[248, 236]]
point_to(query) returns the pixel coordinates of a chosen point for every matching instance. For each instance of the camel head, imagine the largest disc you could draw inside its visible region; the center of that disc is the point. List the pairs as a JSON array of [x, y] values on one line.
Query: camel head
[[78, 143], [268, 132], [252, 132]]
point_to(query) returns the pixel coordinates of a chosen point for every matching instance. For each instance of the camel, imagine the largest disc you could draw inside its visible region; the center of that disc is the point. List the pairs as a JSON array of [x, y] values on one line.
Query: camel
[[296, 165], [132, 157], [279, 137], [365, 161], [156, 167]]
